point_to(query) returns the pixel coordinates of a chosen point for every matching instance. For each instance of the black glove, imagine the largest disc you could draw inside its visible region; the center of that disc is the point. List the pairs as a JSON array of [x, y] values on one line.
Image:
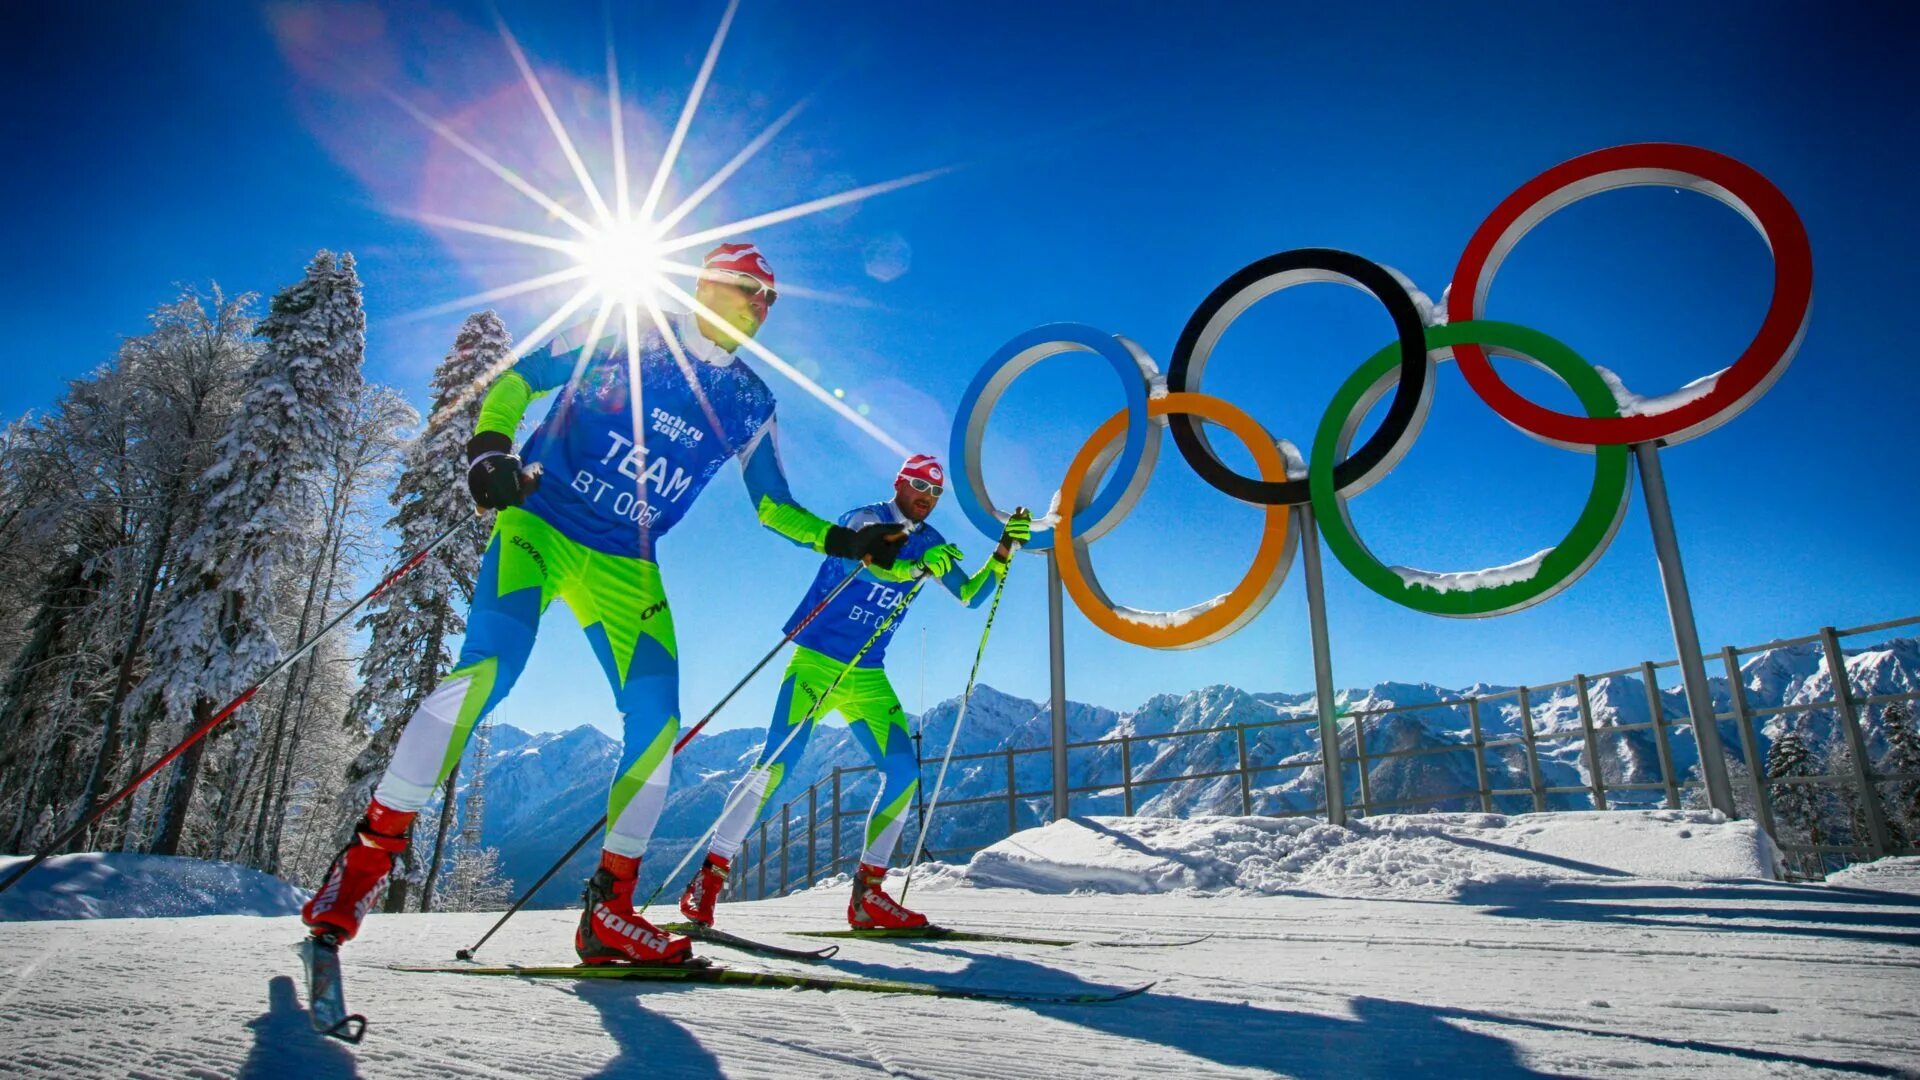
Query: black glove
[[879, 541], [493, 472]]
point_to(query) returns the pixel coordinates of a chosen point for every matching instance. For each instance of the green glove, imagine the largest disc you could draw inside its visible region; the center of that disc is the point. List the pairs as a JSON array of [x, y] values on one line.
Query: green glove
[[1019, 528], [940, 559]]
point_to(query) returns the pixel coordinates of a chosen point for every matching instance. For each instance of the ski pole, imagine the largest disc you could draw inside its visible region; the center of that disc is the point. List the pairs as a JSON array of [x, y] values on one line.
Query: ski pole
[[933, 804], [231, 707], [467, 954], [734, 799]]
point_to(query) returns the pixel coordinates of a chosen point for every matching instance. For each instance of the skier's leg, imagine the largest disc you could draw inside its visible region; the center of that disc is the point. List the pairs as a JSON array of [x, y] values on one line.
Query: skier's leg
[[516, 582], [880, 727], [622, 606], [512, 589], [807, 678]]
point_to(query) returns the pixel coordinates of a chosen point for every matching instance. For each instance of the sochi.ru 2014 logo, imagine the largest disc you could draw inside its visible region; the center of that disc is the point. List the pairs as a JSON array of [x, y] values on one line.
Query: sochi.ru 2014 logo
[[1334, 471]]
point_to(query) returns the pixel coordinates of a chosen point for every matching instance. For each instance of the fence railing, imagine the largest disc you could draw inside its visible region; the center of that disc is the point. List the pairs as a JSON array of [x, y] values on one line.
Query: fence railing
[[802, 842]]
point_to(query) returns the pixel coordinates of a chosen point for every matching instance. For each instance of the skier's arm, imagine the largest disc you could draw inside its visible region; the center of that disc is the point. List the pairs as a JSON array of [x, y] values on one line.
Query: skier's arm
[[531, 377], [972, 591], [773, 501]]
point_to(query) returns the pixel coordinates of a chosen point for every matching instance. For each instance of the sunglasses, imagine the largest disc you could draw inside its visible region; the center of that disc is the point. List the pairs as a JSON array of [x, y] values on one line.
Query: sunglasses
[[925, 487], [753, 287]]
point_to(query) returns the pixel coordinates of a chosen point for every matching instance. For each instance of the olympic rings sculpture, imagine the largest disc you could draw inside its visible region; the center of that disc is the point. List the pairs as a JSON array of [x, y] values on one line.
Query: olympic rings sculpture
[[1110, 472]]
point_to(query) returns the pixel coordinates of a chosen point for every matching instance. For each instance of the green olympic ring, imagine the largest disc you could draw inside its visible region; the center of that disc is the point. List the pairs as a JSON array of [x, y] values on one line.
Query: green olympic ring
[[1486, 592]]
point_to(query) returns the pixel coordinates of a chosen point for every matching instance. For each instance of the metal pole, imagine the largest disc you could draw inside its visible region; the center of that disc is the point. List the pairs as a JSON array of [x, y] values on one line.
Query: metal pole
[[1737, 697], [786, 844], [762, 865], [1533, 753], [1057, 663], [1595, 779], [1686, 634], [835, 819], [1879, 839], [1332, 772], [1479, 755], [1657, 711], [1126, 775], [1013, 807], [1246, 781], [813, 829]]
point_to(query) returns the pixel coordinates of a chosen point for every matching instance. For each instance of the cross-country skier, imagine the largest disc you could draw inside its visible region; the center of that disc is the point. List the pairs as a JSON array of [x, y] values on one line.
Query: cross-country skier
[[617, 468], [824, 650]]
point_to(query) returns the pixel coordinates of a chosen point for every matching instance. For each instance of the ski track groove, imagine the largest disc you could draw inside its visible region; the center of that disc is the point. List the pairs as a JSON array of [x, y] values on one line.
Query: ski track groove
[[1322, 986]]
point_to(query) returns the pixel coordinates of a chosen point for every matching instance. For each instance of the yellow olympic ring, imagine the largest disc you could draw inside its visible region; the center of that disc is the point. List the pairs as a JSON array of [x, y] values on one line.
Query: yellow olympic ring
[[1204, 623]]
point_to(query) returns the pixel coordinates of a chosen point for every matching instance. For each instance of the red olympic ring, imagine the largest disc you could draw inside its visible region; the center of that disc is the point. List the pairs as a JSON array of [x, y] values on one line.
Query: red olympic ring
[[1665, 164]]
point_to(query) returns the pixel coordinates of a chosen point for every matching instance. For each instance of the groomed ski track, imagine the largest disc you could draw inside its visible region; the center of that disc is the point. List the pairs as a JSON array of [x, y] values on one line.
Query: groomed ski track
[[1606, 977]]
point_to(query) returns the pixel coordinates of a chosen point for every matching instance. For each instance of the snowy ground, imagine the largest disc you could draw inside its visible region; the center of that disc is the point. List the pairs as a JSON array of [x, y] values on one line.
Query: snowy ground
[[1523, 961]]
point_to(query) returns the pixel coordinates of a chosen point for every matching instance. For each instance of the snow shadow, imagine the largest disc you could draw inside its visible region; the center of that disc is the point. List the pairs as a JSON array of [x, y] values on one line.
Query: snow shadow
[[650, 1045], [285, 1044], [1761, 908], [1380, 1038]]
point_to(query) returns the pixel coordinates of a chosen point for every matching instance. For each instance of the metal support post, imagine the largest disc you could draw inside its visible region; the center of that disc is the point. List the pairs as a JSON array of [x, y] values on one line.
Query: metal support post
[[1246, 781], [1657, 712], [786, 845], [1013, 805], [1737, 699], [1686, 634], [813, 829], [1126, 775], [1057, 664], [1332, 772], [834, 818], [762, 893], [1596, 780], [1879, 839], [1479, 755], [1533, 753]]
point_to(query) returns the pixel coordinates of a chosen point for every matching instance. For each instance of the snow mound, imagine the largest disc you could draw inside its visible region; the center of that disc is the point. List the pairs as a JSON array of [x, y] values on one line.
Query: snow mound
[[121, 886], [1900, 875], [1425, 856]]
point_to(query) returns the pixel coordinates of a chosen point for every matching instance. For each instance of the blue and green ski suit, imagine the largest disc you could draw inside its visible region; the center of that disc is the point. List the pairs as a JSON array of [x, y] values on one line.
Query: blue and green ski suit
[[620, 467]]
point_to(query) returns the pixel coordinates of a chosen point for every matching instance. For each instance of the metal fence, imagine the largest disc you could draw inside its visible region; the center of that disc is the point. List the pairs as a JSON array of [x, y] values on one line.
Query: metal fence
[[806, 839]]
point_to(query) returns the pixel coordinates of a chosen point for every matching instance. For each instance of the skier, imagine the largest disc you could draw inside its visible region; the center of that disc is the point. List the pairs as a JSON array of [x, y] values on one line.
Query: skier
[[612, 469], [824, 649]]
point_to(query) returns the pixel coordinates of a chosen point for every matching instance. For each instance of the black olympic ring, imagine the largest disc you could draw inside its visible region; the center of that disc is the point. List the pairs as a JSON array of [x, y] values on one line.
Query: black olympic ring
[[1411, 396]]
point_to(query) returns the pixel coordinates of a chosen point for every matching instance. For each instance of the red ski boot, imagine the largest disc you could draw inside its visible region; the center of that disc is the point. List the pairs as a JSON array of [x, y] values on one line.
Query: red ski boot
[[357, 873], [611, 932], [705, 889], [872, 909]]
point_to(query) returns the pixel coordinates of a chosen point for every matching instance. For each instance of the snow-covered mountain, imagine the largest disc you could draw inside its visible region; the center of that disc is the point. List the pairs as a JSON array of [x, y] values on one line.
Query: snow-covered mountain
[[543, 791]]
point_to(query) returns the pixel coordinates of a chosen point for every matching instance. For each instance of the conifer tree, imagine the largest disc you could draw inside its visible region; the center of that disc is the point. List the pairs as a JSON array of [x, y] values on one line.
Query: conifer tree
[[1796, 809], [216, 635]]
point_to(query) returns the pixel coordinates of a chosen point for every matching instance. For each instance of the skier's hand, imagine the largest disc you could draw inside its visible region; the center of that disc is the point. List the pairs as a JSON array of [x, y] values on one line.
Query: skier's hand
[[1019, 529], [878, 542], [494, 476], [940, 559]]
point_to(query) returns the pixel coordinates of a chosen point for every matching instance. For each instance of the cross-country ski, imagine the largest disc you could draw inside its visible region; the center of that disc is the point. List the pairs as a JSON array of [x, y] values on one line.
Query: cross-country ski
[[717, 975]]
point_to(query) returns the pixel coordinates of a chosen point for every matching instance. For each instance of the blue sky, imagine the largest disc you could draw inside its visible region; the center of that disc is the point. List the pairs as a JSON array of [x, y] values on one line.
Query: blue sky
[[1115, 162]]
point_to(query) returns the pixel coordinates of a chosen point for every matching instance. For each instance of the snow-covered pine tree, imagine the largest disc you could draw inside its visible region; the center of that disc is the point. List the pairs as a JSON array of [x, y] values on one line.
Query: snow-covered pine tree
[[215, 636], [413, 627], [473, 878], [1903, 757], [1796, 806]]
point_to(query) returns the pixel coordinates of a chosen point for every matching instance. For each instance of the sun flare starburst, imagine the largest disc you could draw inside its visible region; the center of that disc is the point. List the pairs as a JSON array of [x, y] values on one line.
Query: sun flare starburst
[[622, 255]]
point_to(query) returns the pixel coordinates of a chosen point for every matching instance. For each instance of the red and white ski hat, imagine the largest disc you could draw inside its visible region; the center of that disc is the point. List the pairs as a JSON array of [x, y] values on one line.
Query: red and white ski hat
[[925, 467], [730, 262]]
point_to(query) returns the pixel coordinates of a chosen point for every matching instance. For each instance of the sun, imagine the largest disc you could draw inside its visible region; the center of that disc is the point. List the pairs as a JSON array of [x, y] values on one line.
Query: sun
[[623, 262], [625, 256]]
